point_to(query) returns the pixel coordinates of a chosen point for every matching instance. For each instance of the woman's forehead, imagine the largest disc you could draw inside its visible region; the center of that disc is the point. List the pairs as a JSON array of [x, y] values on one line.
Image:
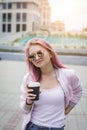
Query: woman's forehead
[[35, 48]]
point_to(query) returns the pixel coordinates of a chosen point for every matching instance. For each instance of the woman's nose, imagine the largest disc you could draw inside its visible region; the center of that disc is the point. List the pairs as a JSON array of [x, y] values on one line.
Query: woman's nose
[[37, 57]]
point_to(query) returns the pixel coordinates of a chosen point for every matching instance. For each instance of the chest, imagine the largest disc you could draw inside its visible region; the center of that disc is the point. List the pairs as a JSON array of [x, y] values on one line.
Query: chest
[[53, 96], [48, 83]]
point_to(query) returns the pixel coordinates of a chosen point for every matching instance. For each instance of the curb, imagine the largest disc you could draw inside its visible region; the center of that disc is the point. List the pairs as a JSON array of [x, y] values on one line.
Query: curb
[[63, 51]]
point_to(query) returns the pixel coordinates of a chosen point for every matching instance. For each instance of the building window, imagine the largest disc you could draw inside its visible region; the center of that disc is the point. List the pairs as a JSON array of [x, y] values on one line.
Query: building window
[[24, 5], [9, 28], [23, 27], [9, 5], [4, 5], [4, 17], [24, 17], [4, 28], [18, 28], [9, 17], [18, 17], [18, 5]]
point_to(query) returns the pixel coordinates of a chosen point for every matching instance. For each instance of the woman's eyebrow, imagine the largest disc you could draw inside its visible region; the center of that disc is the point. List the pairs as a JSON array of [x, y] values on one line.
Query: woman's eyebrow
[[34, 52]]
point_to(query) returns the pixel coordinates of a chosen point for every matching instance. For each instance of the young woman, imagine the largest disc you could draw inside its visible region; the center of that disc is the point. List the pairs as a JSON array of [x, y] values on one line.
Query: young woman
[[60, 88]]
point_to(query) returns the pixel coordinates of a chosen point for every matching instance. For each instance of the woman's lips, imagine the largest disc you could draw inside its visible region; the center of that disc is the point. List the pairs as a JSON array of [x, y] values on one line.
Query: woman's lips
[[39, 61]]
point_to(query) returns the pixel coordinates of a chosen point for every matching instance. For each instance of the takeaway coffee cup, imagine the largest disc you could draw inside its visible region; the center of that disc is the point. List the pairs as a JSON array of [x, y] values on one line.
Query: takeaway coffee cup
[[35, 86]]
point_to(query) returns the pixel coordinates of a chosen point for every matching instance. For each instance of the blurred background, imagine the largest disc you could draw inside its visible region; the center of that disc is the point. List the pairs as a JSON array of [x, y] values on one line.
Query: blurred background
[[63, 23]]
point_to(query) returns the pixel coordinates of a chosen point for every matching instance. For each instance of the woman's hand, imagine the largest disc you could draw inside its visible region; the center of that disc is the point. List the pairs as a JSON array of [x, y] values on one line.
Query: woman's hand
[[68, 109], [30, 97]]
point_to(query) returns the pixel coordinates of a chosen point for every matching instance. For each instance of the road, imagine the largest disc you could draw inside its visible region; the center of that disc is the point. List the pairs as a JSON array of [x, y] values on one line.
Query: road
[[65, 59]]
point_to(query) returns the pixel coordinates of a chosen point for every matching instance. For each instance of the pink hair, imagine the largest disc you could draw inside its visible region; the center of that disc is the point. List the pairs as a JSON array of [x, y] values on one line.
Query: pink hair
[[33, 70]]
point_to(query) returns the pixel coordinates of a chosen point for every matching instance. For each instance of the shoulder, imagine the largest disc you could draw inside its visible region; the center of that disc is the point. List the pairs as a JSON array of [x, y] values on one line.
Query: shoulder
[[27, 77], [70, 75], [67, 72]]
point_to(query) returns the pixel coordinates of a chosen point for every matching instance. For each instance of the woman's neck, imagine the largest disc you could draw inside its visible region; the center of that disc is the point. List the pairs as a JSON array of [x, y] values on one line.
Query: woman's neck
[[48, 70]]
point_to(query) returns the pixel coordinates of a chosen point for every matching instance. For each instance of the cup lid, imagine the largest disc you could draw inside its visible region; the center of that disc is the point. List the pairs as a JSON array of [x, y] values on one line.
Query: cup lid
[[33, 84]]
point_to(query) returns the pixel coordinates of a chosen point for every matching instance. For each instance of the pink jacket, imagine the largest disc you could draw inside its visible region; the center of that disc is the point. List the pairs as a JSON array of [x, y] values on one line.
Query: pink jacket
[[71, 86]]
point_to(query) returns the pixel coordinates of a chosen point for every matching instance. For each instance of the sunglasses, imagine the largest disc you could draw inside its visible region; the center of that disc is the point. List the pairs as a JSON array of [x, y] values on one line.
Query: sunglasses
[[32, 57]]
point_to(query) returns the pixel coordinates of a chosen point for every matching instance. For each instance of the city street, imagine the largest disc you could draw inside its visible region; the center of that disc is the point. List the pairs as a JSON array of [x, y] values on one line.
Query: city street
[[11, 75], [65, 59]]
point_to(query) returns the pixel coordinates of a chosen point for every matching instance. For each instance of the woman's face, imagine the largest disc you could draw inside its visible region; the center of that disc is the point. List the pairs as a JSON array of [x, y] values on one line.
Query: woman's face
[[39, 56]]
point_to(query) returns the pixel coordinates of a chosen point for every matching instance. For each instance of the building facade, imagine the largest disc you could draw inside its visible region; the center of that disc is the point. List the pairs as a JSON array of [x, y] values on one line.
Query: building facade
[[21, 16], [57, 26], [45, 15]]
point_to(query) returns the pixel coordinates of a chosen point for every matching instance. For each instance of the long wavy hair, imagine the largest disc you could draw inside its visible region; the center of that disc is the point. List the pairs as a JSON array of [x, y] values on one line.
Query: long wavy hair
[[34, 71]]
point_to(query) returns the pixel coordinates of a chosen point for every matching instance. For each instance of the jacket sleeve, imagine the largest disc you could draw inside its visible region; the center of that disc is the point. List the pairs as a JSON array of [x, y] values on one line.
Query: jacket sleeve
[[76, 87], [25, 108]]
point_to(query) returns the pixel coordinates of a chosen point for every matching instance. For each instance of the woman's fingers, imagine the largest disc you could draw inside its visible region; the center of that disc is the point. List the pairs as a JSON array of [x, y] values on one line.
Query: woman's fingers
[[30, 98], [29, 90], [31, 95]]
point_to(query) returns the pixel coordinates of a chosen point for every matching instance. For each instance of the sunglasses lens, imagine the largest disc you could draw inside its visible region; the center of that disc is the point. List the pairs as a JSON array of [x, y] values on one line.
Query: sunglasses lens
[[40, 54], [31, 57]]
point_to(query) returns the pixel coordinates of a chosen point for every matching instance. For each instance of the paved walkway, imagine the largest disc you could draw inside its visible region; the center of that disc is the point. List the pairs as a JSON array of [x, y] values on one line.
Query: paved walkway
[[11, 75]]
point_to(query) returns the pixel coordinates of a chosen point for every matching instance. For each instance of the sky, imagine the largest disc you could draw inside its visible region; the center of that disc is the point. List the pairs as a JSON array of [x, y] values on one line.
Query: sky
[[72, 12]]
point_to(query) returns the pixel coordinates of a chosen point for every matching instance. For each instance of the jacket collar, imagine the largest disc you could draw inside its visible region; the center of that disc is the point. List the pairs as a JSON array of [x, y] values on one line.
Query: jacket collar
[[62, 80]]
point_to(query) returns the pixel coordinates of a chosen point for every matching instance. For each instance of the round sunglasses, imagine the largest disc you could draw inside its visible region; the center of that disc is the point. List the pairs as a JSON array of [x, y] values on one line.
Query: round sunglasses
[[32, 57]]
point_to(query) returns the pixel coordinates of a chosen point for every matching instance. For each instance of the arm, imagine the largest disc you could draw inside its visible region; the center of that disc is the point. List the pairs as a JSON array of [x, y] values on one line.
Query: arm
[[68, 109], [26, 101], [76, 85], [76, 88]]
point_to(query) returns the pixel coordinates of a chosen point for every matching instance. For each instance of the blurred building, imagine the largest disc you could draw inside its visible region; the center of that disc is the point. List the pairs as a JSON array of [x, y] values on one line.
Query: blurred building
[[58, 26], [45, 15], [25, 16], [19, 15]]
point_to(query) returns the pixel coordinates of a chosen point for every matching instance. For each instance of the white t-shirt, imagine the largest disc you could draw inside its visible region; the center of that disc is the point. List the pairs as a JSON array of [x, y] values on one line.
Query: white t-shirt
[[49, 110]]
